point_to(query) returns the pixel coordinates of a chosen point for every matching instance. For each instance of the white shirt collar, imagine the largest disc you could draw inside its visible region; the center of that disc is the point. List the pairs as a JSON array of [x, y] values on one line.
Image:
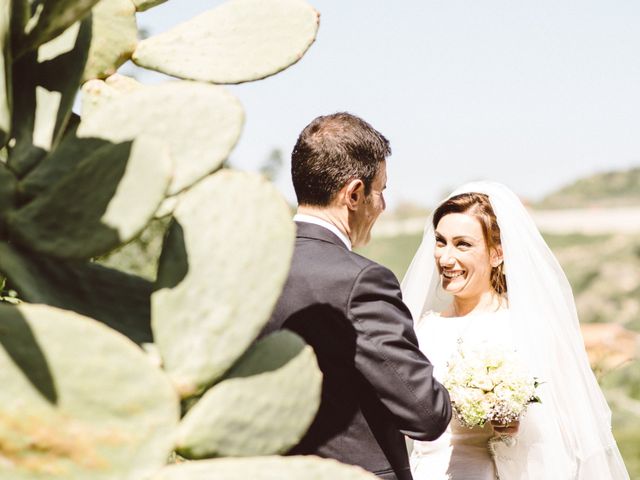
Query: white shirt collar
[[301, 217]]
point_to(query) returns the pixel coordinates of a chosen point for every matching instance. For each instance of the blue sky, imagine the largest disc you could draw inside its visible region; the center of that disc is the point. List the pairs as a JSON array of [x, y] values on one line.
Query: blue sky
[[533, 94]]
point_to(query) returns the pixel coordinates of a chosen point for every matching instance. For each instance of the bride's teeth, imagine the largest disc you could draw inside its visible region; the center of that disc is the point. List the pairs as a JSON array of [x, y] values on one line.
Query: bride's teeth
[[452, 274]]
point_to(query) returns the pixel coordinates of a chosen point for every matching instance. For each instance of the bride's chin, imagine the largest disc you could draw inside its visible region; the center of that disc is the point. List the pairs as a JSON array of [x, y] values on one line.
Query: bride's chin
[[449, 289], [449, 286]]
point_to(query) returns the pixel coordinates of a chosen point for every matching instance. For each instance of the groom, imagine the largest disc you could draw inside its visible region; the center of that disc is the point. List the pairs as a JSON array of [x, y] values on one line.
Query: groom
[[377, 384]]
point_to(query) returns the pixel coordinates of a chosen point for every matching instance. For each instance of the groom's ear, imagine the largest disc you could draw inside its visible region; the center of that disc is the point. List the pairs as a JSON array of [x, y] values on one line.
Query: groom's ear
[[353, 193]]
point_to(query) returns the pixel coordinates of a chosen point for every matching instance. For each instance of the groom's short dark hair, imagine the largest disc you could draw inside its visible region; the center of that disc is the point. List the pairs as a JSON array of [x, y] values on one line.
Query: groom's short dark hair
[[331, 151]]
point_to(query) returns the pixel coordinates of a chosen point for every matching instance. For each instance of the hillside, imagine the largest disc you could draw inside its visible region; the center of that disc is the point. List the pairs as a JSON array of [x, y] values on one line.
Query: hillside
[[610, 189]]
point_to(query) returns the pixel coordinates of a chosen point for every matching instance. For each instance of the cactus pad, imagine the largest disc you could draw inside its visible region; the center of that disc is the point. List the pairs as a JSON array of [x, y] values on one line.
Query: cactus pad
[[96, 92], [70, 152], [114, 36], [8, 188], [42, 99], [105, 201], [142, 5], [51, 19], [167, 207], [114, 298], [201, 124], [78, 400], [221, 271], [264, 405], [264, 468], [5, 72], [239, 41]]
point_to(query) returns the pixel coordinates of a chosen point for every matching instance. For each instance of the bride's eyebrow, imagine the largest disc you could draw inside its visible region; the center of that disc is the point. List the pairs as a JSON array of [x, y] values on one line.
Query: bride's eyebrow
[[439, 236], [464, 237]]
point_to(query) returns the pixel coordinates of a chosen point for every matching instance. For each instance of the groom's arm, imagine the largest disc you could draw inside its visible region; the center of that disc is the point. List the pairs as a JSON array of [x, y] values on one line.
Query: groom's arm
[[387, 355]]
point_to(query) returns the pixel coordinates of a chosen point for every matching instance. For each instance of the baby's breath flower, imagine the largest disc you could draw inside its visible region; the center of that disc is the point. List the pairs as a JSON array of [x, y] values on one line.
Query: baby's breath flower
[[488, 383]]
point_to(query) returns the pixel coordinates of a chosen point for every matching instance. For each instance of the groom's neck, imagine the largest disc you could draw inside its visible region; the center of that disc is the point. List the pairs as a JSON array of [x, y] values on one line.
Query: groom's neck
[[336, 216]]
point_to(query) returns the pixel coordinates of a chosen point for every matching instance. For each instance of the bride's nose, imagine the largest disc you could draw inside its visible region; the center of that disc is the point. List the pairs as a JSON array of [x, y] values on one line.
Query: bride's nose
[[445, 259]]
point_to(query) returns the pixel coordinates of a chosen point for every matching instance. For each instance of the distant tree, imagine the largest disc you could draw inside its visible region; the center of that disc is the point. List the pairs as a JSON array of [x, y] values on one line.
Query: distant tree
[[272, 166], [409, 209]]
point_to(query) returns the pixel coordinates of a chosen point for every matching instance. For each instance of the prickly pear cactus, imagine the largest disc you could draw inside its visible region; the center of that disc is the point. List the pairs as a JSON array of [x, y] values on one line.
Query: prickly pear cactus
[[94, 375], [197, 265], [78, 399], [239, 41], [230, 420], [264, 468], [114, 36], [173, 111]]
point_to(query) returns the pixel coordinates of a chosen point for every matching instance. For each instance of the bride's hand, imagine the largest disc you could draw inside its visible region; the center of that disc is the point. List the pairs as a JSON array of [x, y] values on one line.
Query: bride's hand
[[506, 429]]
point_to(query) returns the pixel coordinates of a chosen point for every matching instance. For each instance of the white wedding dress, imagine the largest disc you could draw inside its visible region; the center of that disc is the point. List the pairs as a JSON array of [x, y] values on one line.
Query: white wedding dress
[[461, 453], [567, 436]]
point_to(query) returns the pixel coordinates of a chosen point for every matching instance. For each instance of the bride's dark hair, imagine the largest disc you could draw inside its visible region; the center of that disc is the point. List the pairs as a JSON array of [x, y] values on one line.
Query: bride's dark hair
[[478, 205]]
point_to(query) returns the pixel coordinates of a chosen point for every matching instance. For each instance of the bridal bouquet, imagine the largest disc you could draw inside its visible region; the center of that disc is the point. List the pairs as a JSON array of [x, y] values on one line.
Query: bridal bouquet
[[486, 383]]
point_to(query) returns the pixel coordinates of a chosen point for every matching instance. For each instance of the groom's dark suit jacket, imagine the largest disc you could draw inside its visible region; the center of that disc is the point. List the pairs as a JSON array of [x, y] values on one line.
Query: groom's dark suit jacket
[[377, 385]]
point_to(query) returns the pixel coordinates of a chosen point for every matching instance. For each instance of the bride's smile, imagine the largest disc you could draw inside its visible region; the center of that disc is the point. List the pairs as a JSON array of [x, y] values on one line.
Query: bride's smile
[[504, 290], [452, 274], [462, 255]]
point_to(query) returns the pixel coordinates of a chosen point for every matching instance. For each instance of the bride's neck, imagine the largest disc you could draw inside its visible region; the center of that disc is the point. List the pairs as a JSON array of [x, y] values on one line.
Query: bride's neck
[[485, 302]]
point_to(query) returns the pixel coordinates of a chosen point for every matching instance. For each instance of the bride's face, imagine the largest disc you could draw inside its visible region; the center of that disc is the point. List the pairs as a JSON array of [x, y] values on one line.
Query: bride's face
[[461, 256]]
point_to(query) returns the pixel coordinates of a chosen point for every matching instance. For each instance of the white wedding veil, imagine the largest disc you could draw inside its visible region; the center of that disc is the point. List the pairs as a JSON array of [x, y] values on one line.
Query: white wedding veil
[[568, 435]]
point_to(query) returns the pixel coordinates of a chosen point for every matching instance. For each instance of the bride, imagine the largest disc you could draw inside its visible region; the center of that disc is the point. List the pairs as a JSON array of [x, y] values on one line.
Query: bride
[[483, 273]]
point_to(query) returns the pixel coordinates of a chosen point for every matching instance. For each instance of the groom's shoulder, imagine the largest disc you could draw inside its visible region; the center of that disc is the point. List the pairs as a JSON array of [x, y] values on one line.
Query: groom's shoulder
[[371, 267], [320, 252], [360, 265], [330, 254], [332, 257], [363, 261]]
